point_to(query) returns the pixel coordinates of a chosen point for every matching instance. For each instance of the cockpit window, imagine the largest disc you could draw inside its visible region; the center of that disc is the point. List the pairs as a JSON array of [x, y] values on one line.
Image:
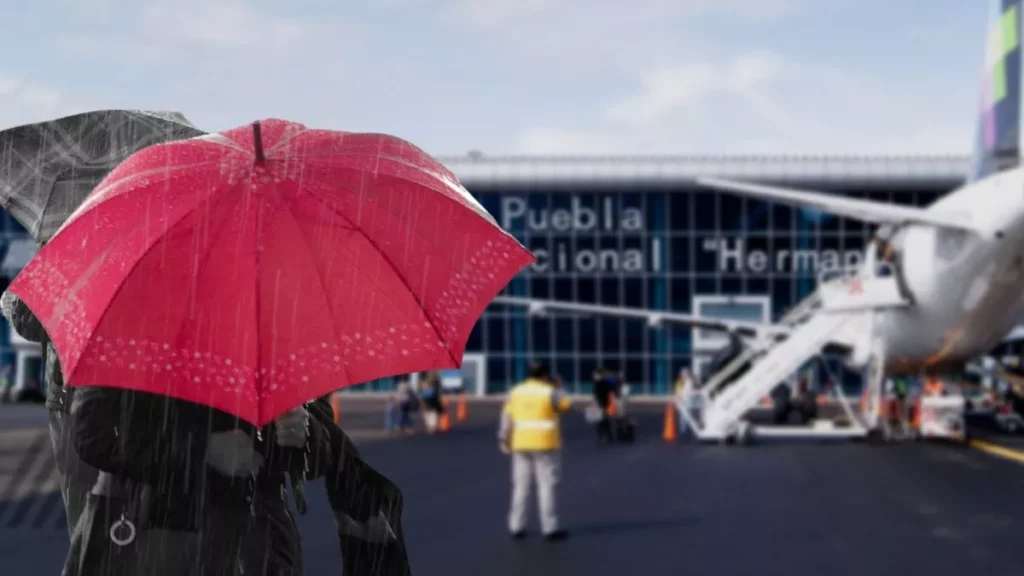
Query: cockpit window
[[950, 243]]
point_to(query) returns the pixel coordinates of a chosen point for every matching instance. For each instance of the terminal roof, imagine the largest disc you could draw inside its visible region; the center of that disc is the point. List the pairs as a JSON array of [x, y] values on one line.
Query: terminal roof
[[479, 171]]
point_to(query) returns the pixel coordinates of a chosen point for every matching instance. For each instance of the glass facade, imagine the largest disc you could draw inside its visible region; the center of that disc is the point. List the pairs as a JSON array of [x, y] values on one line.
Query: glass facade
[[682, 250], [13, 239], [609, 231]]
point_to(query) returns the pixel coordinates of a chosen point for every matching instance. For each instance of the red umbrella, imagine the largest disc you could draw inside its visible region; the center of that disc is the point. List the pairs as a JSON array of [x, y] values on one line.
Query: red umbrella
[[256, 269]]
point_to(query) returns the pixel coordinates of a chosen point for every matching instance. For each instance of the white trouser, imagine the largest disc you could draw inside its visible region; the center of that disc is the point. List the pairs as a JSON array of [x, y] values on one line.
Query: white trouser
[[682, 405], [546, 468]]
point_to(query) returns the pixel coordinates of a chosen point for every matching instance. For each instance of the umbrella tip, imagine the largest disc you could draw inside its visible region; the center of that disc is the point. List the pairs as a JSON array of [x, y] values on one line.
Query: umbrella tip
[[257, 137]]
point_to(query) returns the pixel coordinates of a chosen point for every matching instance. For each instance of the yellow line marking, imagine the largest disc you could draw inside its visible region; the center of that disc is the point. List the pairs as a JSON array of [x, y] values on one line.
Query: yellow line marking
[[1001, 451]]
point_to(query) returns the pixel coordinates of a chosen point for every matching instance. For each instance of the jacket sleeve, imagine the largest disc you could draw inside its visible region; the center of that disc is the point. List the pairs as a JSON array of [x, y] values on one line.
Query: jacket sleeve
[[358, 494], [21, 318], [141, 436], [313, 460], [341, 473]]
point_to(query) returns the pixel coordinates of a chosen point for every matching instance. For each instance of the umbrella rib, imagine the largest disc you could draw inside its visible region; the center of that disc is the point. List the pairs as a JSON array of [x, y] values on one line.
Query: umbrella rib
[[394, 269], [199, 267], [145, 253], [420, 237], [484, 215], [42, 211], [448, 184], [258, 377], [323, 285]]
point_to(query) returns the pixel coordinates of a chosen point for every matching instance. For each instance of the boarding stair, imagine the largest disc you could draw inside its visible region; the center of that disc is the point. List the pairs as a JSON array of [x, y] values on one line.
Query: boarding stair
[[837, 312]]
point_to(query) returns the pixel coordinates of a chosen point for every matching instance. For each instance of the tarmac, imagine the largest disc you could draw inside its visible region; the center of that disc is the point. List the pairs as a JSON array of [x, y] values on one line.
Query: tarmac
[[782, 508]]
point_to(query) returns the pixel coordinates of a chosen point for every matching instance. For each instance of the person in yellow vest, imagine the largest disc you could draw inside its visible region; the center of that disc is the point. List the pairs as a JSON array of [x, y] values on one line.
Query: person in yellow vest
[[530, 432]]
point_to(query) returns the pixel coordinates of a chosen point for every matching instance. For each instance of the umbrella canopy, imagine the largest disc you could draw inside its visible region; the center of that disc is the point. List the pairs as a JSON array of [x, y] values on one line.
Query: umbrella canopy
[[254, 270], [47, 169]]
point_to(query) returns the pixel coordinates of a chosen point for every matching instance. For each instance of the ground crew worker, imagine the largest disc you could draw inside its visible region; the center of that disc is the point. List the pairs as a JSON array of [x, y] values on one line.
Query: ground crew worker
[[684, 391], [530, 431], [900, 409]]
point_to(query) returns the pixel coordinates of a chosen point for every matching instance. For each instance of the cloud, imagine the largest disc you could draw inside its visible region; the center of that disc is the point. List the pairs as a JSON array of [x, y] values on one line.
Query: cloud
[[24, 102], [599, 14], [693, 83], [499, 13], [549, 141], [180, 29], [761, 102], [221, 62], [219, 24], [610, 37], [534, 76]]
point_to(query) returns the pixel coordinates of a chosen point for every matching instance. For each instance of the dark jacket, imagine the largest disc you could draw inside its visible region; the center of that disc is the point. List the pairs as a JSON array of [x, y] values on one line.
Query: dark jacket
[[357, 494], [606, 386], [162, 442], [431, 397], [356, 491]]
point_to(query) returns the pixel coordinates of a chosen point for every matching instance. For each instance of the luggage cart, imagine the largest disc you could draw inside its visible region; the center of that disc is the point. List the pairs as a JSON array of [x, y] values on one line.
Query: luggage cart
[[942, 417]]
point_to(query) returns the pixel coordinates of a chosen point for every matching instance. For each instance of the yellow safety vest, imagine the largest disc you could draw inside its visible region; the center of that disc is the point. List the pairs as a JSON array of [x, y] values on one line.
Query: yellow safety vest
[[531, 408]]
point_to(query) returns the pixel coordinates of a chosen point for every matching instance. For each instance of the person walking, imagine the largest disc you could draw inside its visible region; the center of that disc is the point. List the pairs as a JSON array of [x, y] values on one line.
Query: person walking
[[605, 396], [430, 400], [531, 434]]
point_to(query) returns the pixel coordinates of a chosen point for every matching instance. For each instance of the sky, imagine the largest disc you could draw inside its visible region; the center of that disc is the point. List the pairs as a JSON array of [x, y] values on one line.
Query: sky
[[512, 77]]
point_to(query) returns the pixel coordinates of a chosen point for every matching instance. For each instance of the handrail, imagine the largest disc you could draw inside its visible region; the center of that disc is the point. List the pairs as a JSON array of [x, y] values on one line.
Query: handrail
[[799, 312], [710, 388]]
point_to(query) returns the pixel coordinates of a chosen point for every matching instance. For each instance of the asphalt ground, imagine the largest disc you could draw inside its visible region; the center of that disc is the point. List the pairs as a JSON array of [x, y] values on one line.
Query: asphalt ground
[[777, 508]]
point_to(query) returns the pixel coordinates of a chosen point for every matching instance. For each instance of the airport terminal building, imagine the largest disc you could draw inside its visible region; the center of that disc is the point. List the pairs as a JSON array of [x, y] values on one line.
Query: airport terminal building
[[639, 233]]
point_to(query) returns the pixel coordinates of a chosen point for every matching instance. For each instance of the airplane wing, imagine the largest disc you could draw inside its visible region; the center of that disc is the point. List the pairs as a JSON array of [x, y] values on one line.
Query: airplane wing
[[653, 317], [863, 210]]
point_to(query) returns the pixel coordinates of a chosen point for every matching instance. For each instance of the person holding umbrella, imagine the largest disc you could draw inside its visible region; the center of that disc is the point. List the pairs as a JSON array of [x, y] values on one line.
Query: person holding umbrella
[[50, 168], [292, 279], [199, 494]]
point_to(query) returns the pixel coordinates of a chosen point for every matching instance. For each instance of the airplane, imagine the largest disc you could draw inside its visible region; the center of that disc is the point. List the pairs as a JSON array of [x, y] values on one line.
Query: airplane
[[939, 285]]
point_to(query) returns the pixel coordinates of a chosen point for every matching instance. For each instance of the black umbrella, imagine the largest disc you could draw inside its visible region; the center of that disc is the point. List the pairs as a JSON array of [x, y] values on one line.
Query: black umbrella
[[47, 169]]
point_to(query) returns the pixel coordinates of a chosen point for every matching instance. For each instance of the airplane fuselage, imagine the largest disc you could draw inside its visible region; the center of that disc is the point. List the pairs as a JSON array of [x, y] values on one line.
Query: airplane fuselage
[[966, 285]]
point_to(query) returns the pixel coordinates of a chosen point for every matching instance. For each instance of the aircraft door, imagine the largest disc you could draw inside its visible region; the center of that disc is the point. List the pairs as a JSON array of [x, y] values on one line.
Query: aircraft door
[[708, 343]]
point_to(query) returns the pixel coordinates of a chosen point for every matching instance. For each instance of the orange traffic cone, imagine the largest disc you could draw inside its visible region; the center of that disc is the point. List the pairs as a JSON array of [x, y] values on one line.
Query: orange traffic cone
[[446, 420], [336, 406], [463, 410], [671, 432]]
